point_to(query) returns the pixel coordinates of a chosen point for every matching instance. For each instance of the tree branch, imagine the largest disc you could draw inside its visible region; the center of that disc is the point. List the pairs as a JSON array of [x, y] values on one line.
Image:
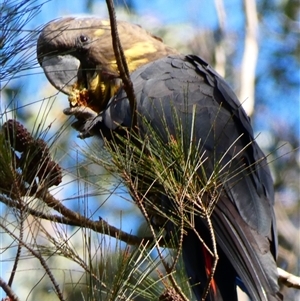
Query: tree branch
[[42, 261], [121, 61], [288, 279], [73, 218], [9, 292]]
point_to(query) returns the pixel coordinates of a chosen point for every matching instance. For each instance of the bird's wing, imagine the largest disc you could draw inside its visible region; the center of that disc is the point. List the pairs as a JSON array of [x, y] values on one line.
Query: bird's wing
[[243, 218]]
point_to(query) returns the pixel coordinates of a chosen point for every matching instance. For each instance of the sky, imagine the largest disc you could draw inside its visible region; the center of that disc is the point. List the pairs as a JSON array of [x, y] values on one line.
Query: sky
[[202, 14]]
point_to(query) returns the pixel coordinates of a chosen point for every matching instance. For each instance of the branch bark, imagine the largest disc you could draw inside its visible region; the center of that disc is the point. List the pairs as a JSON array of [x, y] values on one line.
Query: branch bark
[[9, 292], [288, 279], [121, 61], [73, 218]]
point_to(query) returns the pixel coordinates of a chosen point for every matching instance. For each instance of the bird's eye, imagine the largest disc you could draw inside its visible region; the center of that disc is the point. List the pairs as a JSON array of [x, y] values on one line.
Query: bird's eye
[[83, 38]]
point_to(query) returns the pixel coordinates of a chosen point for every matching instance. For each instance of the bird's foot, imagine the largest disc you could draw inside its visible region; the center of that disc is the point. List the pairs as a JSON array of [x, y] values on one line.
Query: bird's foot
[[86, 120]]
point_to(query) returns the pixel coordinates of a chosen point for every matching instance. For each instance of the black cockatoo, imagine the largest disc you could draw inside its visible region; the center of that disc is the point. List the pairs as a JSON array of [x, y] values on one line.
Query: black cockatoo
[[74, 53]]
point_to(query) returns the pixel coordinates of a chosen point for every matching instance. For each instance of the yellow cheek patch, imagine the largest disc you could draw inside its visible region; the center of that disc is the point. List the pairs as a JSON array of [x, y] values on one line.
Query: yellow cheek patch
[[132, 65], [137, 55], [140, 49], [94, 82]]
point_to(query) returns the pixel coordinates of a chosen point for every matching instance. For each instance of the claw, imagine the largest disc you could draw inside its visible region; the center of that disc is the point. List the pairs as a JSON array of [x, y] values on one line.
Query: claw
[[86, 120], [81, 112]]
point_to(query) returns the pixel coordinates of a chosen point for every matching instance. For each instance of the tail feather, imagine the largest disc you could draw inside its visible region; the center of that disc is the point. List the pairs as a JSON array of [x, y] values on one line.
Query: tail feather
[[248, 252], [198, 264], [243, 254]]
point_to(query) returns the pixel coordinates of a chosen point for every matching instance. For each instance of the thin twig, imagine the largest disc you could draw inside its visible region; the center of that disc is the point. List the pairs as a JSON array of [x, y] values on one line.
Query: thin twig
[[216, 257], [100, 226], [78, 220], [18, 194], [140, 204], [9, 292], [73, 255], [42, 261], [121, 61], [103, 227]]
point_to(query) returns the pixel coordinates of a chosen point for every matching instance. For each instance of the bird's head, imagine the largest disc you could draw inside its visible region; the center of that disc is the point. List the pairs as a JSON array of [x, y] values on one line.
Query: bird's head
[[77, 57]]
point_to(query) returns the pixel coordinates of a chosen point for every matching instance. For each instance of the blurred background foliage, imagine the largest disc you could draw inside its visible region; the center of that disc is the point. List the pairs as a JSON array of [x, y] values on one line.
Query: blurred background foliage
[[195, 27]]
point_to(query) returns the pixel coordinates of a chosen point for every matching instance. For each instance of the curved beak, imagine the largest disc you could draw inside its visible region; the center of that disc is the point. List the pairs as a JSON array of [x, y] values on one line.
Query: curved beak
[[62, 71], [67, 74]]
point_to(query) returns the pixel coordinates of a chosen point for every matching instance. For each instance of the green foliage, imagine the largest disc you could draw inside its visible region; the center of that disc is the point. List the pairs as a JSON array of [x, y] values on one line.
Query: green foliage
[[16, 45], [88, 265]]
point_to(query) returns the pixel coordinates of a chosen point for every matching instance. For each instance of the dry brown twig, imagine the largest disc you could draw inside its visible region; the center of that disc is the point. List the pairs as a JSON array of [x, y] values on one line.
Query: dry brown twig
[[25, 142], [42, 166], [70, 217], [41, 259], [121, 61], [11, 296]]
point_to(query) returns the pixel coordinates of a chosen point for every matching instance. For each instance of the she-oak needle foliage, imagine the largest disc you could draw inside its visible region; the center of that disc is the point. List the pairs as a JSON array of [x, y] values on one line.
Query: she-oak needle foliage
[[76, 262]]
